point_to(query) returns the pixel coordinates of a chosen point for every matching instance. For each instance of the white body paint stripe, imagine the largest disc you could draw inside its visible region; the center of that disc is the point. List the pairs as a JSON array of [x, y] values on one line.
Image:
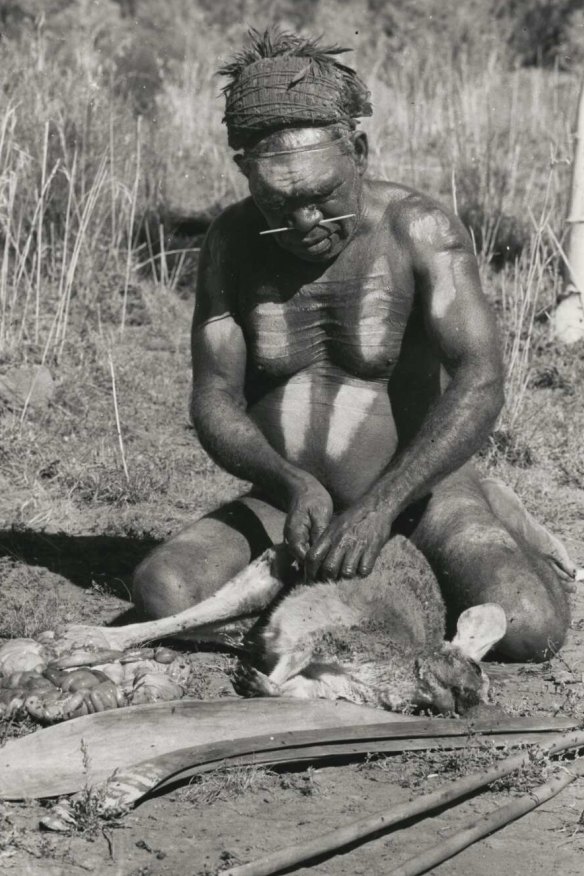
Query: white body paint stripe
[[295, 417], [350, 409]]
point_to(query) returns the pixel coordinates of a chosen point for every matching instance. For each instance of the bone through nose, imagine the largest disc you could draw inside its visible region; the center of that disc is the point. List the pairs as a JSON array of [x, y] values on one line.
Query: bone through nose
[[304, 219]]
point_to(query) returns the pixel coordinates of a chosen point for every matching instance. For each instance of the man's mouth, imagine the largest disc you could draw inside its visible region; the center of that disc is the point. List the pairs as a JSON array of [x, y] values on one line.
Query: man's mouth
[[318, 246]]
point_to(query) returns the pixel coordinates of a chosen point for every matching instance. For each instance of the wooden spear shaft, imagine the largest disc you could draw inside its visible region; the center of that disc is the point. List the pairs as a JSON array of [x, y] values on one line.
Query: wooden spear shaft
[[478, 828], [575, 245], [381, 821]]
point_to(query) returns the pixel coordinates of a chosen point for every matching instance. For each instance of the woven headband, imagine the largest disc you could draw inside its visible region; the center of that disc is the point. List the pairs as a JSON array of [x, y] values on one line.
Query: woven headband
[[291, 91]]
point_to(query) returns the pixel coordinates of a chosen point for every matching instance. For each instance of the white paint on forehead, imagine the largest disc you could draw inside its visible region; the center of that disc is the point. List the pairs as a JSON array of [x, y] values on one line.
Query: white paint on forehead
[[350, 410], [295, 416], [306, 167], [294, 138]]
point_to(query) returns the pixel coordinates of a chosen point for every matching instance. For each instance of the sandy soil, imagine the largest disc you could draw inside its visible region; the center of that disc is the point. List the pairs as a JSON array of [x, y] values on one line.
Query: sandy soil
[[72, 530]]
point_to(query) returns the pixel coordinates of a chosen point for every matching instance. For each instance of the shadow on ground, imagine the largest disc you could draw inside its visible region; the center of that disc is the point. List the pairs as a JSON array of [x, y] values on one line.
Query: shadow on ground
[[105, 561]]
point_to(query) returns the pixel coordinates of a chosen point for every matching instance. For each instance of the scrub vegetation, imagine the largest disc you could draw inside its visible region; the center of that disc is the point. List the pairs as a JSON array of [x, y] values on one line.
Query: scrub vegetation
[[113, 159]]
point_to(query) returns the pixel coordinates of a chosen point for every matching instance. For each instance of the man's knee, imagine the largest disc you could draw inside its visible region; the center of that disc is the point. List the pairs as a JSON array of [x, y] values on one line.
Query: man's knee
[[163, 586], [535, 630], [157, 589]]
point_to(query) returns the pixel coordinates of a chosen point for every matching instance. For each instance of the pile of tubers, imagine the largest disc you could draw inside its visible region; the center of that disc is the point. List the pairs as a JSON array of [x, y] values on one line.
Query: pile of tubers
[[40, 680]]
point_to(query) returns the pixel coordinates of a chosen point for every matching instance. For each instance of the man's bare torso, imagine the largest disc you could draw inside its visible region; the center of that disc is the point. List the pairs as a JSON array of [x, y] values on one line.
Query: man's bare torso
[[327, 356]]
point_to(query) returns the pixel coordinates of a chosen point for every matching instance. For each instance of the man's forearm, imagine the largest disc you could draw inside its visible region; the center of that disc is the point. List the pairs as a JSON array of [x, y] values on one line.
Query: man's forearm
[[234, 442], [455, 427]]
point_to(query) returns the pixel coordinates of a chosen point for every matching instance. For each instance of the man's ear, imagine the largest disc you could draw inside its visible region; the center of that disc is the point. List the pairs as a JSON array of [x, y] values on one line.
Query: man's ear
[[242, 164], [361, 151]]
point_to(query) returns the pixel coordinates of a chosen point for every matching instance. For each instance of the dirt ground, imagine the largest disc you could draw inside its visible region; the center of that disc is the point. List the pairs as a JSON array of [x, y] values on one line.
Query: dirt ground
[[72, 527]]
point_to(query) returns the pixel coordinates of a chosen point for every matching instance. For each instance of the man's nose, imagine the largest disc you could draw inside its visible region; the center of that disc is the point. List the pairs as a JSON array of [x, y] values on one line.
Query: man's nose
[[304, 219]]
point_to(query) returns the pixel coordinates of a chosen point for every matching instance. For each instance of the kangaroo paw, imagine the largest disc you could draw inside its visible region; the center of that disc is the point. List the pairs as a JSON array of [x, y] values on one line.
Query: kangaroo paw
[[250, 682]]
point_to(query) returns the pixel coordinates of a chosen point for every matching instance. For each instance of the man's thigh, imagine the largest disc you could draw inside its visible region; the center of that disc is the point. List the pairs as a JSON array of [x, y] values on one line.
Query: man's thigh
[[477, 558]]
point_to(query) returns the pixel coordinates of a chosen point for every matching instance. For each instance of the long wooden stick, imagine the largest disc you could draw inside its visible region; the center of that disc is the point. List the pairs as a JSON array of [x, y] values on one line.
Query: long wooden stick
[[575, 245], [381, 821], [486, 824]]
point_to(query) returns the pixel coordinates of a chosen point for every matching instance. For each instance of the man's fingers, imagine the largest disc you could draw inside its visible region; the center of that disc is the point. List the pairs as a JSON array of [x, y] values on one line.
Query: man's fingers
[[350, 566], [367, 561], [333, 562], [315, 556], [296, 536], [319, 521]]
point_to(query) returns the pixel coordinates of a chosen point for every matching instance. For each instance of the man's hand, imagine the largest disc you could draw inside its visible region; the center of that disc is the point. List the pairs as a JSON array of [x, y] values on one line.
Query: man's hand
[[309, 514], [350, 545]]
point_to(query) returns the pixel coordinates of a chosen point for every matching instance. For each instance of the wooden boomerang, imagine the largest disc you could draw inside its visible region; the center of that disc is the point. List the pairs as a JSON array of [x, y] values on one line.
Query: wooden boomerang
[[51, 762]]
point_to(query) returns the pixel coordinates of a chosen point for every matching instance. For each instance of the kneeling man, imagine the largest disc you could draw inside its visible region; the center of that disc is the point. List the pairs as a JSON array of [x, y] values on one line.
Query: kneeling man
[[346, 363]]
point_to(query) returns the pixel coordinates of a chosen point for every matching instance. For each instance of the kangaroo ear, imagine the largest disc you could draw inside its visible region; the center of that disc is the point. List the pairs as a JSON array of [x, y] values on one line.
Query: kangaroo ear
[[480, 628]]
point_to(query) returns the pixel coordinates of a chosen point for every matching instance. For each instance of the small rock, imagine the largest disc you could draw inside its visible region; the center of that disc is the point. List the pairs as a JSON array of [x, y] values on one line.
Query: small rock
[[568, 319], [32, 386]]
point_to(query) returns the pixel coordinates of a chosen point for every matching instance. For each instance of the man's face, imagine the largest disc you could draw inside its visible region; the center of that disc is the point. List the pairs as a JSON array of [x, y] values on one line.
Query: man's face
[[301, 177]]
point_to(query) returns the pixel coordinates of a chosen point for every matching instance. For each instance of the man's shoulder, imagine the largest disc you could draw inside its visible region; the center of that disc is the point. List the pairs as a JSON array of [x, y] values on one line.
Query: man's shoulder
[[418, 219]]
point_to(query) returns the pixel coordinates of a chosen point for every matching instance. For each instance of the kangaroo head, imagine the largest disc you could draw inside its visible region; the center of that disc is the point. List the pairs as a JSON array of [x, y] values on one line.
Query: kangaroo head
[[451, 679]]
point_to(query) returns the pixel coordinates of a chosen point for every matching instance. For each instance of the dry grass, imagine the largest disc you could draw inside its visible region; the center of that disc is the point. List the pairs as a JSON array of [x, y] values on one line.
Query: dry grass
[[32, 616], [227, 785]]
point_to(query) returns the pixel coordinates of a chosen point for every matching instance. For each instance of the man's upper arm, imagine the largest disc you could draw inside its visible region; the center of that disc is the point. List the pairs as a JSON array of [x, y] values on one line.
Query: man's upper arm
[[217, 342], [458, 317]]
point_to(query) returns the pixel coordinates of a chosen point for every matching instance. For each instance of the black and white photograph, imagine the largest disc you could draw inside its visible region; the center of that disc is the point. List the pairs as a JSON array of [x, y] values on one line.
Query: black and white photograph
[[291, 437]]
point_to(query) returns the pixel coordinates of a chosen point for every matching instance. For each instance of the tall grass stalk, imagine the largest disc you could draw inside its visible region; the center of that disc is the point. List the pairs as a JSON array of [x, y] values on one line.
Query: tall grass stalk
[[117, 416], [131, 220], [40, 231], [525, 290]]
